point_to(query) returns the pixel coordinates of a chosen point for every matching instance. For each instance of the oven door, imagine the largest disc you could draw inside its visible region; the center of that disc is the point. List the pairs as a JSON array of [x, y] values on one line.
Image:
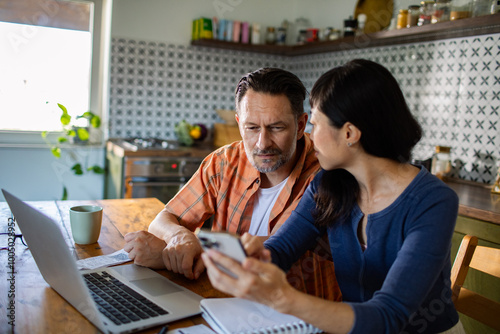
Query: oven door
[[162, 188]]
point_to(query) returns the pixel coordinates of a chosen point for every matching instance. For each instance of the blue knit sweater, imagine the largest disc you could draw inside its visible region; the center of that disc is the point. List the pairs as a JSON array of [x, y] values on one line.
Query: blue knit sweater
[[401, 282]]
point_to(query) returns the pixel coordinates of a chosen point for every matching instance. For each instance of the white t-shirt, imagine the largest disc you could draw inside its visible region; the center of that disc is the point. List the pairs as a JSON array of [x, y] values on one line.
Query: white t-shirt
[[264, 203]]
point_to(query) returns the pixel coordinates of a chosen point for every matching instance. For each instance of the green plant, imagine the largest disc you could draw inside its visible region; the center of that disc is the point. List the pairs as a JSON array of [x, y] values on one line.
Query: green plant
[[75, 134]]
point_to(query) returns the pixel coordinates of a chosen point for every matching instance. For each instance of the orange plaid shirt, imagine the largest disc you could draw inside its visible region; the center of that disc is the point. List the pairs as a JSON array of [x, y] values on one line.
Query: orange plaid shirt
[[224, 187]]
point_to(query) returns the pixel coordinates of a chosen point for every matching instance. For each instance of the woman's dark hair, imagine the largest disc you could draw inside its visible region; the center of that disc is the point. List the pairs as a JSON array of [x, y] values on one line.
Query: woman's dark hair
[[365, 94], [273, 81]]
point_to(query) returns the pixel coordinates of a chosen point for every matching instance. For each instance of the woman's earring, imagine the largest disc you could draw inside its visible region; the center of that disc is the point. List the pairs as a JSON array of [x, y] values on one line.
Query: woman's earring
[[349, 144]]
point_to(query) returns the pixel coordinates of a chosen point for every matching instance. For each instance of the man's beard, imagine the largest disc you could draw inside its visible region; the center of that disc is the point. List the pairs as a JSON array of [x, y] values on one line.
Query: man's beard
[[283, 158]]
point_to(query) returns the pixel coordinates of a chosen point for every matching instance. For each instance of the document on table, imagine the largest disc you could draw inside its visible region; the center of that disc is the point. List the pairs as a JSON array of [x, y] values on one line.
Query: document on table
[[117, 257]]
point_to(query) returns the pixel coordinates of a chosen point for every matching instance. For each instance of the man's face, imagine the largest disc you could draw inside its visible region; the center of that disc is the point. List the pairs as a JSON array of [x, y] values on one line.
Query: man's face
[[269, 130]]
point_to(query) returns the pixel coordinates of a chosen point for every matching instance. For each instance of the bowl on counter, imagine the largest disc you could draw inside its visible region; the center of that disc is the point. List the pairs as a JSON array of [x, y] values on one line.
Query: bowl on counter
[[227, 115]]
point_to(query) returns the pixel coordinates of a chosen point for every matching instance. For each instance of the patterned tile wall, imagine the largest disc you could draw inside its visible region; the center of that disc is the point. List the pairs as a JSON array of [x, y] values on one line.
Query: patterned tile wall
[[452, 87], [154, 85]]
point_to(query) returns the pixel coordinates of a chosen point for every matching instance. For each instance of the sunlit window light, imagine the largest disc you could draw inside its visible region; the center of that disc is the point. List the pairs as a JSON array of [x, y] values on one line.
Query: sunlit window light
[[40, 67]]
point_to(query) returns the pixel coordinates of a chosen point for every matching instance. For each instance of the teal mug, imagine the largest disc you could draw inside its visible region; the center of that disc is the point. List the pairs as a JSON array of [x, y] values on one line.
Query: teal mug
[[85, 223]]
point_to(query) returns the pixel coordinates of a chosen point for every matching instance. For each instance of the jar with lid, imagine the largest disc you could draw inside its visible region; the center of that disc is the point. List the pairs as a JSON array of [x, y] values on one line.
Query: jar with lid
[[361, 23], [334, 34], [402, 19], [442, 9], [350, 26], [255, 33], [496, 186], [495, 7], [460, 9], [299, 25], [413, 14], [270, 36], [302, 37], [441, 161], [426, 10], [481, 7], [281, 36]]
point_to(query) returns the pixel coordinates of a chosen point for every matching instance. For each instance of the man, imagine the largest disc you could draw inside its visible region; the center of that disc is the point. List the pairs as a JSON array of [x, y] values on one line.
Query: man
[[248, 186]]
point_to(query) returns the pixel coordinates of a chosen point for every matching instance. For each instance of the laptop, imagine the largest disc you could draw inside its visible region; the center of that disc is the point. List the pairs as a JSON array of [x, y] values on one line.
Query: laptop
[[145, 298]]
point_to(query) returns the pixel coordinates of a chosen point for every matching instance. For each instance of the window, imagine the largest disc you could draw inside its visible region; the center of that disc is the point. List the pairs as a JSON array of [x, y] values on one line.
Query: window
[[52, 52], [52, 67]]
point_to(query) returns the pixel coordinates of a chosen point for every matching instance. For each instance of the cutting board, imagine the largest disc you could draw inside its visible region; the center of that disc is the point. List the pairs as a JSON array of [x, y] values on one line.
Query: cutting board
[[225, 134]]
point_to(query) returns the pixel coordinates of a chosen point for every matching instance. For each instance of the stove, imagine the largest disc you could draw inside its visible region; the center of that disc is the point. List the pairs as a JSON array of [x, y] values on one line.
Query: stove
[[149, 167], [137, 143]]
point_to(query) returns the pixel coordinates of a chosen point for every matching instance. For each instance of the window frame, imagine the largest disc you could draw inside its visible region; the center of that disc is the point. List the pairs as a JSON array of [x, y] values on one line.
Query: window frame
[[99, 83]]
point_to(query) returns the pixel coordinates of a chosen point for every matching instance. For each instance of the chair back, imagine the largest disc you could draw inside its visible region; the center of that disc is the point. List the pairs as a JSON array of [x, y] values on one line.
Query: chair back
[[474, 305]]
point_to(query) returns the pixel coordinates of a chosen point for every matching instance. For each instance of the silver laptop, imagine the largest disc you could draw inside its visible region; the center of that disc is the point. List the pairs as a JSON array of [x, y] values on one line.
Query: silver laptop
[[158, 300]]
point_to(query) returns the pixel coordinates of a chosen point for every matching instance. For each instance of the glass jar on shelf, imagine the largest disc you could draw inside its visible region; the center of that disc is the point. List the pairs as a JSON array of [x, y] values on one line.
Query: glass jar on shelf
[[426, 10], [350, 26], [413, 14], [270, 36], [441, 161], [481, 7], [281, 36], [442, 10], [495, 7], [302, 37], [496, 186], [460, 9], [402, 19]]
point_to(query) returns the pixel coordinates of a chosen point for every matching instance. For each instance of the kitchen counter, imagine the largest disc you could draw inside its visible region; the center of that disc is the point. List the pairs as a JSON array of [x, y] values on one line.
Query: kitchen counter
[[121, 149], [476, 200]]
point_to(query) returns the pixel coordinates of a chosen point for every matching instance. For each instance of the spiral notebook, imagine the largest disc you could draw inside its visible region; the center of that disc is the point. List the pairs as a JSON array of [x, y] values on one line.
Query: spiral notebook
[[236, 315]]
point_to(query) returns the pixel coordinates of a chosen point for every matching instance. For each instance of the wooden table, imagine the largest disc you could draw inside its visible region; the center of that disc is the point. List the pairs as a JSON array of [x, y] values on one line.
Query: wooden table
[[38, 308]]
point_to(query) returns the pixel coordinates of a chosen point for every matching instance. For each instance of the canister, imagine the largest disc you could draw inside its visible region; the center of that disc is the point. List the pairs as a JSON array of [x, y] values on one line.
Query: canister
[[441, 161], [402, 19], [441, 13], [426, 10], [460, 9], [413, 14]]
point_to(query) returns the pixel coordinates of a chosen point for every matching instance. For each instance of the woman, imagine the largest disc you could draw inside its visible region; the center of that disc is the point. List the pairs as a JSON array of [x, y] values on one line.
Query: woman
[[389, 223]]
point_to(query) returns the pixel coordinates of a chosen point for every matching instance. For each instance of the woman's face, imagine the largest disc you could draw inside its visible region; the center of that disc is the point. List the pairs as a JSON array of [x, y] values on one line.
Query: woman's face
[[327, 141]]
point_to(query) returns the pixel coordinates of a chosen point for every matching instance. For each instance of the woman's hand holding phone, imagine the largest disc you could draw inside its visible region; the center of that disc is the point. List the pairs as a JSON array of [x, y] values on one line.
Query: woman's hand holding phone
[[254, 247]]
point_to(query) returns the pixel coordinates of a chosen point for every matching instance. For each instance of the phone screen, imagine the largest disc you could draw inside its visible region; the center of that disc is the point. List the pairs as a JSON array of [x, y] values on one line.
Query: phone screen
[[228, 244]]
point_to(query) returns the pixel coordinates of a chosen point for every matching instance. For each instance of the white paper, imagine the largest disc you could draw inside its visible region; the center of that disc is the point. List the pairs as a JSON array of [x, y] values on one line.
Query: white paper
[[103, 261], [198, 329]]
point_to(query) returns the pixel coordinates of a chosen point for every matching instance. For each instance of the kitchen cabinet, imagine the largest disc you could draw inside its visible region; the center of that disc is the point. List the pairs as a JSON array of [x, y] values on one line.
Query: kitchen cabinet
[[475, 26], [479, 215]]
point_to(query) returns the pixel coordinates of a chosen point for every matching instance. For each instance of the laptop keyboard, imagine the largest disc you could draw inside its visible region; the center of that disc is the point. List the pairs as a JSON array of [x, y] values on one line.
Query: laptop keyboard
[[118, 302]]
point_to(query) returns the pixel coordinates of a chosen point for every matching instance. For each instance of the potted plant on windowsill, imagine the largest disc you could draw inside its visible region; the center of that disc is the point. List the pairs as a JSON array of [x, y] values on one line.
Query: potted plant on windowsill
[[77, 135]]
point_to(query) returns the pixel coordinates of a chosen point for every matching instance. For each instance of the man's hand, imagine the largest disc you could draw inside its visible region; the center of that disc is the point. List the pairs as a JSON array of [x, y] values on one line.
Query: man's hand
[[182, 254], [145, 249]]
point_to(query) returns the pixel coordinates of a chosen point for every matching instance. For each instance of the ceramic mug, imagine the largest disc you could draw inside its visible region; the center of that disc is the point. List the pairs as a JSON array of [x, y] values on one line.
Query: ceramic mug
[[85, 223]]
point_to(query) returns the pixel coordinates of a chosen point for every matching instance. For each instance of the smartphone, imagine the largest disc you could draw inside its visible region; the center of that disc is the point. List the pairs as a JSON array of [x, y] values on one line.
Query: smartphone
[[226, 243]]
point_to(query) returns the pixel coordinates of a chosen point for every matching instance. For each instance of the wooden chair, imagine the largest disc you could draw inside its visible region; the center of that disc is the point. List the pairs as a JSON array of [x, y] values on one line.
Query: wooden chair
[[487, 260]]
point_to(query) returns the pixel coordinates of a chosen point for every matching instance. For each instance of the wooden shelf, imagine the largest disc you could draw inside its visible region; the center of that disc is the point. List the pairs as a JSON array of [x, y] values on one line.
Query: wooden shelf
[[475, 26]]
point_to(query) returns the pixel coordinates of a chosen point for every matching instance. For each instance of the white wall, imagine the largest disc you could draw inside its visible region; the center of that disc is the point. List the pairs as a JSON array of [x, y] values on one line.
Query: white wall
[[34, 174], [170, 20]]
